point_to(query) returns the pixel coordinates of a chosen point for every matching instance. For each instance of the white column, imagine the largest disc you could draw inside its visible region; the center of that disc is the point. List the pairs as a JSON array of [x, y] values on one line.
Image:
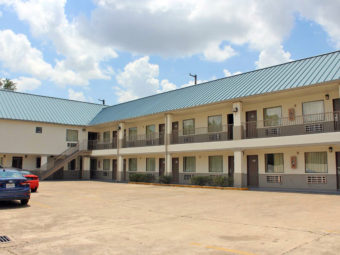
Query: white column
[[240, 169], [85, 175], [238, 120], [43, 163], [168, 130], [120, 167]]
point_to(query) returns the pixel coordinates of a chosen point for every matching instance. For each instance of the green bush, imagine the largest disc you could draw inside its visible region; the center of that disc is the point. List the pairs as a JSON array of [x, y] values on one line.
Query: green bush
[[166, 179], [139, 177], [200, 180], [219, 180]]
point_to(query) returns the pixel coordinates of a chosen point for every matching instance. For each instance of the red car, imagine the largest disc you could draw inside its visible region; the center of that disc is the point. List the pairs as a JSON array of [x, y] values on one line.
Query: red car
[[32, 179]]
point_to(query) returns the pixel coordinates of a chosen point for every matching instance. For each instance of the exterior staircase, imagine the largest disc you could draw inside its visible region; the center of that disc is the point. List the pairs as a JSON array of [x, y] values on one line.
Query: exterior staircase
[[62, 159]]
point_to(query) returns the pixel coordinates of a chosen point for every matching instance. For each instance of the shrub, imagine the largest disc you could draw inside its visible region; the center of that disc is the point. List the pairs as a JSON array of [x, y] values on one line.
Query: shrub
[[166, 179], [200, 180], [219, 180], [139, 177]]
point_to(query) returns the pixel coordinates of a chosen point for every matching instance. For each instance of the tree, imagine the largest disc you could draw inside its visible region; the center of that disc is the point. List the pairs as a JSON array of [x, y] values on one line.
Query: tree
[[7, 84]]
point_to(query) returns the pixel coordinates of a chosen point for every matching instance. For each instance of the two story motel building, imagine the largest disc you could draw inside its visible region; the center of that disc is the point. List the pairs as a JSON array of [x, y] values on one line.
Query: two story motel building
[[276, 127]]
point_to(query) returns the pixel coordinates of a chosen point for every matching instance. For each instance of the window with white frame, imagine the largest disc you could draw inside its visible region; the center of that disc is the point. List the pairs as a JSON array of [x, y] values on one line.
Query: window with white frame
[[132, 164], [215, 123], [274, 163], [313, 111], [133, 134], [272, 116], [71, 135], [189, 164], [150, 164], [316, 162], [106, 165], [189, 127], [216, 164]]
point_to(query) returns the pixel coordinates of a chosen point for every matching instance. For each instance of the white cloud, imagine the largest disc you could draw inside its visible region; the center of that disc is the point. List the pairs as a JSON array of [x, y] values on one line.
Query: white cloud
[[140, 79], [215, 53], [26, 84], [228, 73], [74, 95], [80, 58], [272, 56]]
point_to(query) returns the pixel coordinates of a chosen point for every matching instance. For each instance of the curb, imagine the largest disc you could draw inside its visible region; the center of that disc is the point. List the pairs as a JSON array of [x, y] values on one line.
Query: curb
[[188, 186]]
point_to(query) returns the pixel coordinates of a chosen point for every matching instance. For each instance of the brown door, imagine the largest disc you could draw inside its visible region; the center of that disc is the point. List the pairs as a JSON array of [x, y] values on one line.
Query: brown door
[[93, 168], [230, 118], [17, 162], [161, 132], [175, 170], [92, 138], [251, 118], [252, 170], [231, 166], [124, 169], [114, 139], [161, 166], [338, 170], [336, 110], [174, 132], [114, 169]]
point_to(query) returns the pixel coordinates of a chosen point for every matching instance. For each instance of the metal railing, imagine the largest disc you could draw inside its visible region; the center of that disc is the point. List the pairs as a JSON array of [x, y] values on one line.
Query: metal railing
[[144, 140], [102, 145], [203, 134], [299, 125]]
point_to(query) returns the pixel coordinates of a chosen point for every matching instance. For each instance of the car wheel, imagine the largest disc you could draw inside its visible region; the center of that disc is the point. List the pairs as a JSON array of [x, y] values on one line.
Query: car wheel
[[24, 201], [34, 190]]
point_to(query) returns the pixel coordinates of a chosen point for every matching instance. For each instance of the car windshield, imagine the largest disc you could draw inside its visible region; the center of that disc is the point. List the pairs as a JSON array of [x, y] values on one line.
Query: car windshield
[[25, 172], [10, 174]]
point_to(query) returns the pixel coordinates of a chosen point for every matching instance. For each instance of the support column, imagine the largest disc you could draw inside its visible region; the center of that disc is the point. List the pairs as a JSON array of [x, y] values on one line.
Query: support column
[[85, 175], [43, 163], [120, 167], [240, 169], [238, 120], [168, 130]]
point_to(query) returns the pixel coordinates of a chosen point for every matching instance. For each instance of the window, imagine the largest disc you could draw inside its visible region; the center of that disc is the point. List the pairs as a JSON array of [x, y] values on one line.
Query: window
[[132, 164], [189, 164], [189, 127], [132, 134], [215, 123], [313, 111], [106, 165], [316, 162], [150, 164], [274, 163], [71, 135], [106, 136], [272, 116], [38, 162], [150, 131], [215, 164], [38, 130]]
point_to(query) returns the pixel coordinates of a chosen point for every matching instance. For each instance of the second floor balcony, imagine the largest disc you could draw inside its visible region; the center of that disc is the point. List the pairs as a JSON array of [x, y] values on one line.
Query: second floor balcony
[[152, 139], [298, 125], [102, 145]]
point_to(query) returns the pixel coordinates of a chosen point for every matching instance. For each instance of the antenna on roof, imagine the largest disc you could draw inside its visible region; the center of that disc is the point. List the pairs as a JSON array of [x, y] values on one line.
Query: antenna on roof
[[102, 100], [195, 76]]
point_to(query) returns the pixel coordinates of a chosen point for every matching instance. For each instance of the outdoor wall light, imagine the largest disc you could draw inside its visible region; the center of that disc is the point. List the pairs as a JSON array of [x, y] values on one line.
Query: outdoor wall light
[[235, 109], [327, 96], [330, 149]]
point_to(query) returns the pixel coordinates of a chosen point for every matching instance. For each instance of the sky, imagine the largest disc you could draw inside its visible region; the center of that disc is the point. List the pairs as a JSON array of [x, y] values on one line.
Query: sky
[[120, 50]]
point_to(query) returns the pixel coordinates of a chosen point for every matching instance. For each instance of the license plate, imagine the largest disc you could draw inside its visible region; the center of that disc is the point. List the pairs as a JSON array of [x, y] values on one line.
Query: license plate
[[10, 185]]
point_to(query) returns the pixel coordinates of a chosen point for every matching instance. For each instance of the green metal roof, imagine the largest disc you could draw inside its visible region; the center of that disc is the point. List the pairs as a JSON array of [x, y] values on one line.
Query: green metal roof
[[300, 73], [22, 106]]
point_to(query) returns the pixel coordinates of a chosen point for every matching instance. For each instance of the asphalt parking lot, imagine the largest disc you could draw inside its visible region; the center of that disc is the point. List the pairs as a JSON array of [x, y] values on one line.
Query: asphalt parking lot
[[88, 217]]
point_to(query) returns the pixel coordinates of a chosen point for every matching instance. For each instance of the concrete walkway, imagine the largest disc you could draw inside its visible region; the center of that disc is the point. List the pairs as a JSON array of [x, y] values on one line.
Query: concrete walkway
[[87, 217]]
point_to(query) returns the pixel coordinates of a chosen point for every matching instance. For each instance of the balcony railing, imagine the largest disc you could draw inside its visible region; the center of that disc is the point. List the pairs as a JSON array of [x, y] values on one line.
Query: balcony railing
[[102, 145], [144, 140], [305, 124], [204, 134]]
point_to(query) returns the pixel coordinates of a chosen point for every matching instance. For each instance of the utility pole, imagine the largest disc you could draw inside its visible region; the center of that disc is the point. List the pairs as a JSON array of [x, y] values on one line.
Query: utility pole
[[102, 100], [195, 76]]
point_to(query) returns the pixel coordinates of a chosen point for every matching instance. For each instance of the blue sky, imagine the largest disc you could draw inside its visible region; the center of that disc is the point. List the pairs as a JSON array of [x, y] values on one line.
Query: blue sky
[[122, 50]]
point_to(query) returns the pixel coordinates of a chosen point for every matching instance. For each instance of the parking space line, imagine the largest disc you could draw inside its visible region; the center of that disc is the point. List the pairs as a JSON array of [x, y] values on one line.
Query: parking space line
[[217, 248]]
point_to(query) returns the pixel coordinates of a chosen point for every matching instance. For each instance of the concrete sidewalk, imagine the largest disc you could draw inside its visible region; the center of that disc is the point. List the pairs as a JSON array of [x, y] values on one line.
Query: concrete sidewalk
[[110, 218]]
